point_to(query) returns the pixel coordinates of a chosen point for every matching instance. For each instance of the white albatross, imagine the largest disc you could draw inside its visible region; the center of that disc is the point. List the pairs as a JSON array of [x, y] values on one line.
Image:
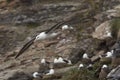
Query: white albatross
[[61, 60], [51, 72], [37, 75], [85, 56], [43, 35], [65, 27], [80, 66]]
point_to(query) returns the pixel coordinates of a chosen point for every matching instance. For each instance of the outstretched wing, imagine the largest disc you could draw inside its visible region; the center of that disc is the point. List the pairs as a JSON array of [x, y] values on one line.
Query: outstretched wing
[[28, 44], [55, 26], [25, 47]]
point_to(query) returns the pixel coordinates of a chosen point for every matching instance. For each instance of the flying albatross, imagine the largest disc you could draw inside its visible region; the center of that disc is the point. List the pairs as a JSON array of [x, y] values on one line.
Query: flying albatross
[[43, 35]]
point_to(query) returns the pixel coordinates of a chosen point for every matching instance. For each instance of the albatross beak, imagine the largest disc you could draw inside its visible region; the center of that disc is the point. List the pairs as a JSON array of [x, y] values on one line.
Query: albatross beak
[[25, 47]]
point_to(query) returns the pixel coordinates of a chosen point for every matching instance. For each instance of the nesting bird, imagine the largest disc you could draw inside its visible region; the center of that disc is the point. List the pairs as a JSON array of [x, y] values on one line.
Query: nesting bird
[[86, 59], [43, 61], [108, 34], [40, 75], [107, 57], [44, 65], [51, 72], [60, 62], [109, 54], [80, 66], [103, 73], [85, 56], [65, 27], [90, 67], [37, 75]]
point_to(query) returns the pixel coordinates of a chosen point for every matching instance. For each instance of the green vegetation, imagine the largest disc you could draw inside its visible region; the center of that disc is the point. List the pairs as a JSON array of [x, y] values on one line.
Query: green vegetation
[[115, 27], [8, 1], [32, 25], [82, 74]]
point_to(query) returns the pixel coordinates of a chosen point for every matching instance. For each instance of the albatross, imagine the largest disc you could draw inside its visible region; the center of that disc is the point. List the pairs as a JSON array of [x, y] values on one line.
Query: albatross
[[43, 35]]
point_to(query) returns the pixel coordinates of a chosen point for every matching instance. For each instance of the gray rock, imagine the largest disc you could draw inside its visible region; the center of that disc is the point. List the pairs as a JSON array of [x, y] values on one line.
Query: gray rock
[[114, 74], [20, 76]]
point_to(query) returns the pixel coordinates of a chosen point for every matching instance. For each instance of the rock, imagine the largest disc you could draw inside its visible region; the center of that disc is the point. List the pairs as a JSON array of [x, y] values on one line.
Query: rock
[[101, 32], [47, 44], [76, 55], [116, 54], [106, 60], [54, 76], [60, 65], [112, 13], [97, 56], [114, 74], [9, 64], [5, 75], [86, 61], [115, 61], [20, 76]]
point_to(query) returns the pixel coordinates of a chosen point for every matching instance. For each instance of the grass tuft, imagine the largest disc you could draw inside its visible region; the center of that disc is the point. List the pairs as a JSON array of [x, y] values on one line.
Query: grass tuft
[[32, 25], [115, 27], [75, 74], [8, 1]]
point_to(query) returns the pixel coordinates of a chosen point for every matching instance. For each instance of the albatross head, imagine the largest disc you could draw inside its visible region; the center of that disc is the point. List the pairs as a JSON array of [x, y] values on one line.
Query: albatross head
[[43, 61], [85, 56], [55, 60], [81, 66], [51, 72], [36, 75], [104, 66], [64, 27]]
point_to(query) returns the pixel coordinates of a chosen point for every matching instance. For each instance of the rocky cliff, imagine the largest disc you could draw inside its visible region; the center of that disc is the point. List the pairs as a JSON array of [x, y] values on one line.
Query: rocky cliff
[[95, 32]]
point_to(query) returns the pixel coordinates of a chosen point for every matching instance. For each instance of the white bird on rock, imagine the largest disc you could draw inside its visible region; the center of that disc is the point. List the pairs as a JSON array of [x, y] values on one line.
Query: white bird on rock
[[37, 75], [109, 54], [65, 27], [61, 60], [43, 61], [85, 56], [104, 66], [51, 72], [104, 72], [108, 34], [41, 74], [81, 66]]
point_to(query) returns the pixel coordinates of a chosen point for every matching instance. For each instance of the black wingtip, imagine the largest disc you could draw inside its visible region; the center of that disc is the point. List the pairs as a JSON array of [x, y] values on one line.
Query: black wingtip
[[55, 26], [66, 61], [18, 54], [25, 47]]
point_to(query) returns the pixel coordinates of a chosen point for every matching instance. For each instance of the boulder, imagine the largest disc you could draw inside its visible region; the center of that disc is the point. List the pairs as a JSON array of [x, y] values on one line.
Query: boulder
[[101, 32], [114, 74]]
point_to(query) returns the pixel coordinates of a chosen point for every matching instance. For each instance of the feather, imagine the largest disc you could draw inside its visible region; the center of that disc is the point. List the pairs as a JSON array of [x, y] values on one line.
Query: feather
[[25, 47]]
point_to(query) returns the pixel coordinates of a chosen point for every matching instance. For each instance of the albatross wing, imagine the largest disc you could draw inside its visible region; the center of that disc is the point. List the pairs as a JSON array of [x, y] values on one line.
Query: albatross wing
[[25, 47]]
